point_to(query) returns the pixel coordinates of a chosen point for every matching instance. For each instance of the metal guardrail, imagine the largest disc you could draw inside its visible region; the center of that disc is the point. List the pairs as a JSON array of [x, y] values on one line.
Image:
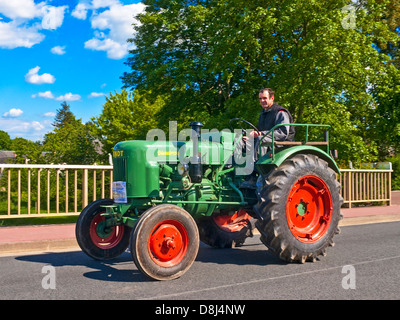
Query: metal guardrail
[[366, 186], [46, 190], [37, 190]]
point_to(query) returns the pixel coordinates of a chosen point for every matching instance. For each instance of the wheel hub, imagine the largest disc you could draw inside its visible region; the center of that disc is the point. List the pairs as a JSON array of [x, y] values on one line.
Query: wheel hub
[[102, 236], [302, 208], [166, 242], [103, 231], [309, 209]]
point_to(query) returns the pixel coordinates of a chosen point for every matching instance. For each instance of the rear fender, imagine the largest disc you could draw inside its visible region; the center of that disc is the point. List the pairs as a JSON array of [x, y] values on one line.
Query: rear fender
[[268, 162]]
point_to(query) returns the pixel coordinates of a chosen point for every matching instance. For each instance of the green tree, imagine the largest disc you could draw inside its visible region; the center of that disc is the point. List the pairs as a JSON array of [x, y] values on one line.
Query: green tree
[[391, 17], [64, 116], [386, 91], [386, 124], [26, 149], [126, 116], [5, 140], [71, 141], [213, 56]]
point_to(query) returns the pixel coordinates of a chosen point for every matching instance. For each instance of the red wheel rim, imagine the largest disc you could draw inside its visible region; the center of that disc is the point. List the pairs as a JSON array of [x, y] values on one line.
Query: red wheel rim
[[232, 223], [309, 209], [102, 238], [168, 243]]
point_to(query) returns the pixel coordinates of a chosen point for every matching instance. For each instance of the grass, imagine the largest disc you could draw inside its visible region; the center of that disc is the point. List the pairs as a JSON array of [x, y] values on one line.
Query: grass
[[22, 221], [25, 219]]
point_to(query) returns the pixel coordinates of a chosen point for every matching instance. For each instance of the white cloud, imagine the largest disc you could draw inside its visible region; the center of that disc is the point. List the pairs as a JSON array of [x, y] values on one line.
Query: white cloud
[[26, 9], [13, 113], [49, 95], [13, 35], [69, 97], [49, 114], [37, 126], [32, 130], [118, 19], [33, 77], [96, 94], [80, 11], [27, 20], [82, 8], [46, 95], [114, 49], [53, 17], [113, 26], [104, 3], [58, 50]]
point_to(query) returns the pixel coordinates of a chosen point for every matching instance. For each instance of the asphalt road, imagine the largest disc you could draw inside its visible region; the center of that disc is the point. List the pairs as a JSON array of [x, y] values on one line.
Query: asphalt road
[[364, 264]]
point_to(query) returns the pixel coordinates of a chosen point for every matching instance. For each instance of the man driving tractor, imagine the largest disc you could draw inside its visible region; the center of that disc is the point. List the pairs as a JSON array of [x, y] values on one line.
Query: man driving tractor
[[271, 115]]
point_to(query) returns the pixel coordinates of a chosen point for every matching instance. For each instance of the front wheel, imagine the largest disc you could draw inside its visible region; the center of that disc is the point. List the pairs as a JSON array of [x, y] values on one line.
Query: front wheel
[[95, 238], [165, 242], [299, 209]]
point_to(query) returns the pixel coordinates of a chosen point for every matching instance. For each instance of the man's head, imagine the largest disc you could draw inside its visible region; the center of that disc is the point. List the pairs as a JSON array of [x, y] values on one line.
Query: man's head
[[266, 97]]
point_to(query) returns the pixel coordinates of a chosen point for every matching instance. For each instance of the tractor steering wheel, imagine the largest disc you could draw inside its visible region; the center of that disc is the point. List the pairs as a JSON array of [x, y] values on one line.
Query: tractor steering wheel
[[245, 121]]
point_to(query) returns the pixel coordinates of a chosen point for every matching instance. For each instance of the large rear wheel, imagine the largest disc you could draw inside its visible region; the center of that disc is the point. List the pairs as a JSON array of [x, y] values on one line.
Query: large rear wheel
[[300, 209]]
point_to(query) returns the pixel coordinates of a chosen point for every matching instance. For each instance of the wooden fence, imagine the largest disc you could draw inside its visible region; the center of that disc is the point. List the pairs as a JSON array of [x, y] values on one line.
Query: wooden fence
[[366, 186], [34, 190], [38, 190]]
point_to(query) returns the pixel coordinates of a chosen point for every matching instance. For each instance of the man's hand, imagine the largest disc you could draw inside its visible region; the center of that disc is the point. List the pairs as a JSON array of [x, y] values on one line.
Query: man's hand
[[253, 134]]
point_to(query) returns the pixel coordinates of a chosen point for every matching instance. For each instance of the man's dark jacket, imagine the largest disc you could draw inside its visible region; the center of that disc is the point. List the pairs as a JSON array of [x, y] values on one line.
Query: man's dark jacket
[[267, 120]]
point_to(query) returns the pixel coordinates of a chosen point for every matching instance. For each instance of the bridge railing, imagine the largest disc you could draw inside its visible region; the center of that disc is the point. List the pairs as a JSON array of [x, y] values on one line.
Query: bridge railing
[[36, 190], [366, 186]]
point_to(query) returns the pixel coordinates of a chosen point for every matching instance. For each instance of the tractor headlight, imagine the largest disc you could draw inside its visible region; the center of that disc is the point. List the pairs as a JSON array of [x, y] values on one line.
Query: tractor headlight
[[183, 169]]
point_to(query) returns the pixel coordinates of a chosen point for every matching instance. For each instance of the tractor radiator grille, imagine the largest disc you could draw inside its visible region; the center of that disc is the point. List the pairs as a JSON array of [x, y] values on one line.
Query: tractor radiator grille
[[119, 169]]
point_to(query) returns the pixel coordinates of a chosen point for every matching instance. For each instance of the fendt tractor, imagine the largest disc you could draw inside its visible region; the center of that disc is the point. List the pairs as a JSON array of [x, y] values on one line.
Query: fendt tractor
[[170, 195]]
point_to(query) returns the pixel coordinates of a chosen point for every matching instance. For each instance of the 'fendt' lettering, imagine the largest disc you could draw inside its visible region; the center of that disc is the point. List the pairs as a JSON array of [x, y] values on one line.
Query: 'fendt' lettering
[[118, 153]]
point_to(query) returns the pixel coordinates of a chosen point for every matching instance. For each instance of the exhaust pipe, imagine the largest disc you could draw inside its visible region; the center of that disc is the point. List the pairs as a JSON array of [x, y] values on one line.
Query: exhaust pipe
[[196, 168]]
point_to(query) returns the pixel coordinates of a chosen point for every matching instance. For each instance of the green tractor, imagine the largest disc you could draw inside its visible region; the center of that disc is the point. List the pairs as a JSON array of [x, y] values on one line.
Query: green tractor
[[169, 195]]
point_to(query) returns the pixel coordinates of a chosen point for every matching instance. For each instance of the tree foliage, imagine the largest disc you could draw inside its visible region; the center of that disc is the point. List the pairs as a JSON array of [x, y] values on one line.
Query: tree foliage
[[71, 141], [5, 140], [211, 57], [64, 116], [26, 150], [126, 116]]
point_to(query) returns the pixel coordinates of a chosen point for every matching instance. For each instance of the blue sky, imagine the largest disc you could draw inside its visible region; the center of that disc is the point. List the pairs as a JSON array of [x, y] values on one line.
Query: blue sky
[[60, 50]]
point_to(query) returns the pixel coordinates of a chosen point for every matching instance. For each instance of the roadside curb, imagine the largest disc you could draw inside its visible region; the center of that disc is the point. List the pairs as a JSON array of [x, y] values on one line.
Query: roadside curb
[[352, 221], [37, 238], [8, 248]]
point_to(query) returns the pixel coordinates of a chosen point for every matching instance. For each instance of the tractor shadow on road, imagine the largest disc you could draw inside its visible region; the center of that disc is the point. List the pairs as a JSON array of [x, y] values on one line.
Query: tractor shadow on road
[[120, 269], [248, 254], [123, 269]]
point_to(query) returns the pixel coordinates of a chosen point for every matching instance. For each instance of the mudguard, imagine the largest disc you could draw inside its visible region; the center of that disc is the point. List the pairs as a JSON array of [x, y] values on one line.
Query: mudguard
[[270, 161]]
